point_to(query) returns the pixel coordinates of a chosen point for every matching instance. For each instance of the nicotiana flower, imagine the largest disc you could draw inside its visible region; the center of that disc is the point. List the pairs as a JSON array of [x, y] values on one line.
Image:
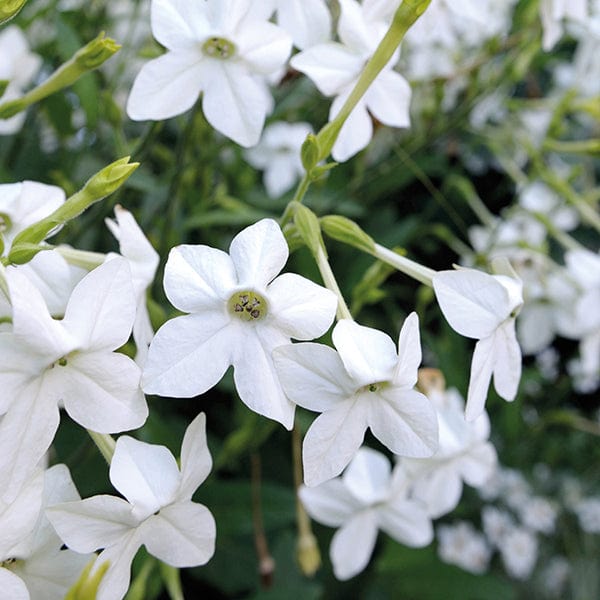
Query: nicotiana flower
[[368, 497], [484, 307], [47, 363], [462, 545], [366, 383], [519, 551], [143, 261], [156, 511], [224, 49], [239, 312], [335, 68], [39, 567], [278, 155], [18, 66], [23, 204]]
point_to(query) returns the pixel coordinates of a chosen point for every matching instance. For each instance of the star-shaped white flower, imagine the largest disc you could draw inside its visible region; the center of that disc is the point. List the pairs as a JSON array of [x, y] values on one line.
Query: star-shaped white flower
[[335, 68], [47, 363], [307, 21], [239, 312], [156, 511], [143, 261], [484, 307], [368, 497], [278, 155], [224, 49], [366, 383]]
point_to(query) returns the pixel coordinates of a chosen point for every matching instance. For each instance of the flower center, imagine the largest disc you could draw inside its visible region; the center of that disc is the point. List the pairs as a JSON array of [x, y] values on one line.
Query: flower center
[[247, 305], [373, 387], [217, 47]]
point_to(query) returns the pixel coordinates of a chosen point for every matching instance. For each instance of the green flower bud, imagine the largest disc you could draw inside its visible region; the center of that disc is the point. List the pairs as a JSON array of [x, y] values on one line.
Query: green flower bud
[[96, 52], [344, 230], [3, 85], [86, 587], [309, 152], [308, 555], [9, 8], [309, 229]]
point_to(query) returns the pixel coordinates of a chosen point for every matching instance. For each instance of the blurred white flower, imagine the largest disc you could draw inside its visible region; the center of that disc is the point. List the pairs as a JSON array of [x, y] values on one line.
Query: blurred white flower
[[496, 524], [588, 514], [239, 312], [519, 551], [553, 12], [368, 497], [462, 545], [367, 383], [278, 155], [156, 511], [539, 514], [222, 49]]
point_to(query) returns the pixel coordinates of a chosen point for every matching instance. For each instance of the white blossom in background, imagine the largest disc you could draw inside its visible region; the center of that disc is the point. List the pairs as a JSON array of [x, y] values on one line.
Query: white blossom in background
[[519, 551], [278, 155], [552, 14], [239, 311], [367, 383], [335, 67], [156, 510], [222, 49], [484, 307], [539, 514], [368, 497], [143, 261], [46, 570], [538, 198], [464, 454], [18, 66], [23, 204], [588, 514], [555, 576], [71, 362], [496, 523], [462, 545]]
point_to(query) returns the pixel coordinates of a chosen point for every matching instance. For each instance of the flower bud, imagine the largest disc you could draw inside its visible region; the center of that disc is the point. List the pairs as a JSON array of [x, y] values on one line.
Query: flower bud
[[308, 227], [309, 152], [347, 231], [8, 9], [308, 555]]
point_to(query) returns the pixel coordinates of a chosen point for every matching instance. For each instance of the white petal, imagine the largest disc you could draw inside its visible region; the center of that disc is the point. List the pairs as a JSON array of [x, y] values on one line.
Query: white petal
[[474, 303], [97, 522], [181, 535], [507, 364], [12, 586], [167, 86], [19, 365], [255, 378], [368, 476], [406, 522], [188, 356], [353, 29], [196, 461], [179, 24], [332, 441], [409, 353], [482, 365], [477, 466], [329, 503], [388, 99], [439, 490], [352, 545], [101, 310], [405, 422], [264, 47], [146, 474], [101, 391], [356, 132], [199, 278], [302, 309], [312, 375], [115, 582], [368, 355], [235, 102], [259, 252], [308, 21]]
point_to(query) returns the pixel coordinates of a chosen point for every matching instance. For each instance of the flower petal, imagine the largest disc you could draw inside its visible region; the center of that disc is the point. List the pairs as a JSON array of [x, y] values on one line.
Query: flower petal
[[259, 252], [146, 474], [308, 21], [12, 585], [409, 353], [196, 461], [332, 441], [482, 365], [312, 375], [178, 25], [388, 99], [329, 503], [352, 545], [302, 309], [264, 47], [356, 132], [188, 356], [167, 86], [406, 522], [181, 535], [507, 363], [368, 355], [368, 476]]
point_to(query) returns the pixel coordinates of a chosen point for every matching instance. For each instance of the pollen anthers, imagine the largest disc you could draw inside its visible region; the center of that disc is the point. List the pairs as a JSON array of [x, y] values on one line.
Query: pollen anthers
[[217, 47], [247, 305], [376, 386]]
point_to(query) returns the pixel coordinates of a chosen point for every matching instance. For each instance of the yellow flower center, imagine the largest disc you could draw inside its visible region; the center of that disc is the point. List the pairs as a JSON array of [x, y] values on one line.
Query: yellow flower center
[[217, 47], [247, 305]]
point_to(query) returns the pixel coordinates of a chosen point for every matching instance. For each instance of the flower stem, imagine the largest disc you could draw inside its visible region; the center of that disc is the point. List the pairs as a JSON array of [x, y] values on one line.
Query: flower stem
[[405, 265], [106, 444], [81, 258], [343, 312]]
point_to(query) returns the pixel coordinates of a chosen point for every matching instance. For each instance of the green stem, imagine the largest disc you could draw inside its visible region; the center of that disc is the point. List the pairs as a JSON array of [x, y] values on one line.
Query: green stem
[[302, 189], [81, 258], [405, 265], [343, 312], [106, 444]]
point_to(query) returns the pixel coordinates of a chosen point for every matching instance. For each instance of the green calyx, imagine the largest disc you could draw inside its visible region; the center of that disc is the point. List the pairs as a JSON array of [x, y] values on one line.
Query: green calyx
[[247, 306], [217, 47]]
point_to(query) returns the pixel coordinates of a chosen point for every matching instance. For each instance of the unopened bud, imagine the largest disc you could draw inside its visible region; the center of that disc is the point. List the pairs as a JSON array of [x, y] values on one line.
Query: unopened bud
[[308, 227], [9, 8], [309, 153], [344, 230], [308, 554], [96, 52]]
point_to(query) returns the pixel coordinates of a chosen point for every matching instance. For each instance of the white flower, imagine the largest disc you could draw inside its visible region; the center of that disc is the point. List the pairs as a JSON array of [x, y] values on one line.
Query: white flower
[[335, 68], [307, 21], [48, 363], [157, 510], [368, 497], [278, 155], [240, 311], [552, 12], [23, 204], [223, 49], [496, 524], [484, 307], [460, 544], [519, 550], [18, 66], [464, 454], [46, 570], [539, 514], [366, 383], [143, 261], [588, 514]]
